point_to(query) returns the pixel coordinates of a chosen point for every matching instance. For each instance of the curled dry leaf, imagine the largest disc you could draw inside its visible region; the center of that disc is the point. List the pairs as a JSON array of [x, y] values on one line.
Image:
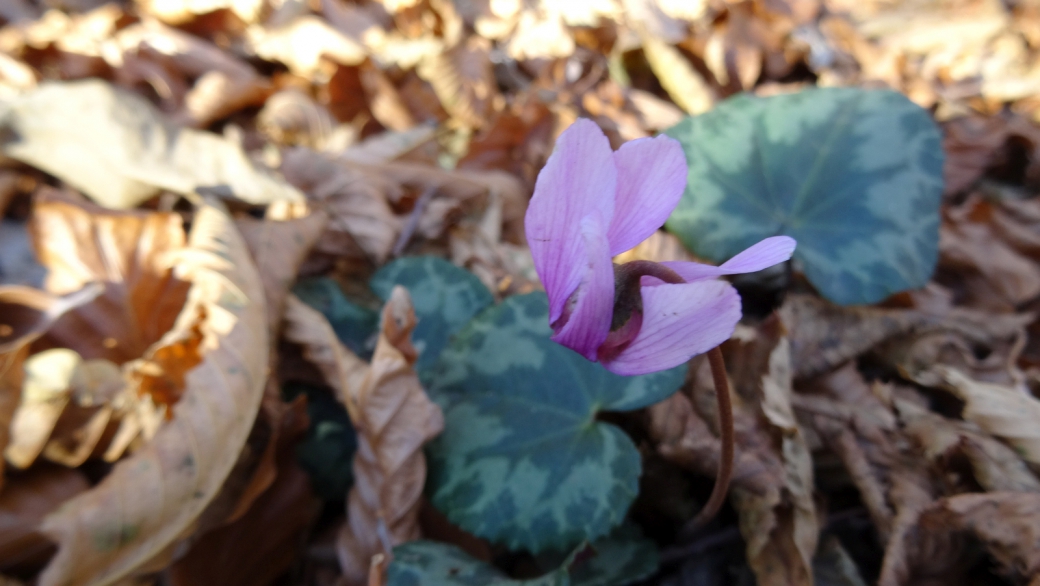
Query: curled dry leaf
[[1002, 411], [117, 149], [154, 497], [464, 81], [394, 419], [128, 252]]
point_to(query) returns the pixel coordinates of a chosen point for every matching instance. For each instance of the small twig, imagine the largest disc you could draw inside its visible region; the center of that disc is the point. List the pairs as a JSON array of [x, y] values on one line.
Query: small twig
[[725, 474], [413, 220]]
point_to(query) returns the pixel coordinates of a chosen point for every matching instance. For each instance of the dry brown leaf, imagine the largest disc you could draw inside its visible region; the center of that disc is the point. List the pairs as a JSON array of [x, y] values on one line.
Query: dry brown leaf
[[27, 314], [464, 81], [995, 466], [290, 117], [278, 244], [117, 149], [303, 44], [1007, 524], [129, 253], [393, 417], [396, 419], [153, 498], [224, 84], [779, 525], [1003, 411], [24, 503], [263, 543], [683, 83], [824, 336], [385, 102], [183, 11], [360, 219], [60, 386]]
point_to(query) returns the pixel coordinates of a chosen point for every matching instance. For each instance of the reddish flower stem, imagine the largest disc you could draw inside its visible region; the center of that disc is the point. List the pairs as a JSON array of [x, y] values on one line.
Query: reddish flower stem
[[726, 435]]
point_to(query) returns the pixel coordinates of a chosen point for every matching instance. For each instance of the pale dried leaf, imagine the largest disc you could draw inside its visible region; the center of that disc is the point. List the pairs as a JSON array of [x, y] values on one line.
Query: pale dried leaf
[[117, 149], [152, 498], [996, 467], [684, 85], [396, 419], [302, 45], [1003, 411], [183, 11]]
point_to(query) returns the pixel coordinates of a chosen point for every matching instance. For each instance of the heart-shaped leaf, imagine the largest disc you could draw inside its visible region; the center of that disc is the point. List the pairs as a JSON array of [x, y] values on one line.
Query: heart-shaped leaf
[[430, 563], [523, 459], [445, 296], [620, 558], [854, 175]]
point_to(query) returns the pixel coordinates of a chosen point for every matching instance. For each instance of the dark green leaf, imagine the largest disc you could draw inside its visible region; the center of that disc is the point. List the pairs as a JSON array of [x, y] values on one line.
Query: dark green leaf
[[522, 459], [429, 563], [619, 559], [622, 557], [445, 299], [354, 325], [327, 451], [855, 176]]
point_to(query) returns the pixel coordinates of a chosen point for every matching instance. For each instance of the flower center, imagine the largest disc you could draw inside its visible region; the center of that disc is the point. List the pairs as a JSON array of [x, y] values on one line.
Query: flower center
[[628, 303]]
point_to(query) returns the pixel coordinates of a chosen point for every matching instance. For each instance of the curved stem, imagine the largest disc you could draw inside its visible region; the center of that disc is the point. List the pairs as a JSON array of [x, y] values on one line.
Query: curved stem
[[726, 435]]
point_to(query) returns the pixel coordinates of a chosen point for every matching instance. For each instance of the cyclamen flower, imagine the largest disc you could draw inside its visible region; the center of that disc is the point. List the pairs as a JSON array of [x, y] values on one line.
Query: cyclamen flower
[[590, 204]]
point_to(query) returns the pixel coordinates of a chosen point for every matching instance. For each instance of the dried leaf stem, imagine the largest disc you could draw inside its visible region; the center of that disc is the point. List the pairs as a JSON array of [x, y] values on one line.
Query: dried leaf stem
[[718, 492]]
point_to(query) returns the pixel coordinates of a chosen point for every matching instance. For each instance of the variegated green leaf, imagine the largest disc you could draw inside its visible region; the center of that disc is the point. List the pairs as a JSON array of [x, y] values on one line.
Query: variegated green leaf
[[621, 558], [522, 459], [855, 176], [445, 297], [429, 563]]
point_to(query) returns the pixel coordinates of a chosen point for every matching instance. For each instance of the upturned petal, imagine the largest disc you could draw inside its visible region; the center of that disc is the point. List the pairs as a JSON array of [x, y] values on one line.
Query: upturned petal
[[588, 321], [763, 255], [651, 179], [578, 181], [679, 322]]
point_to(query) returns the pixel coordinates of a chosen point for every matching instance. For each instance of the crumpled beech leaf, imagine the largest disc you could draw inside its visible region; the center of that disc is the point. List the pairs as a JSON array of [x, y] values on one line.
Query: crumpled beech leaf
[[855, 176], [523, 460], [393, 418], [153, 498]]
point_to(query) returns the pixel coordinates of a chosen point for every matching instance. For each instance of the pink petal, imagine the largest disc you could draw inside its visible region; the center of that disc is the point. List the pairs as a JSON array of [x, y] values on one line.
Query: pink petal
[[578, 181], [651, 179], [589, 322], [679, 322], [763, 255]]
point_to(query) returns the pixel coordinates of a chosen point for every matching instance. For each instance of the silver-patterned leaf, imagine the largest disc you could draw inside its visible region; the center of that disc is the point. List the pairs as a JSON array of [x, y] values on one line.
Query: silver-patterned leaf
[[855, 176], [522, 459], [445, 297]]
